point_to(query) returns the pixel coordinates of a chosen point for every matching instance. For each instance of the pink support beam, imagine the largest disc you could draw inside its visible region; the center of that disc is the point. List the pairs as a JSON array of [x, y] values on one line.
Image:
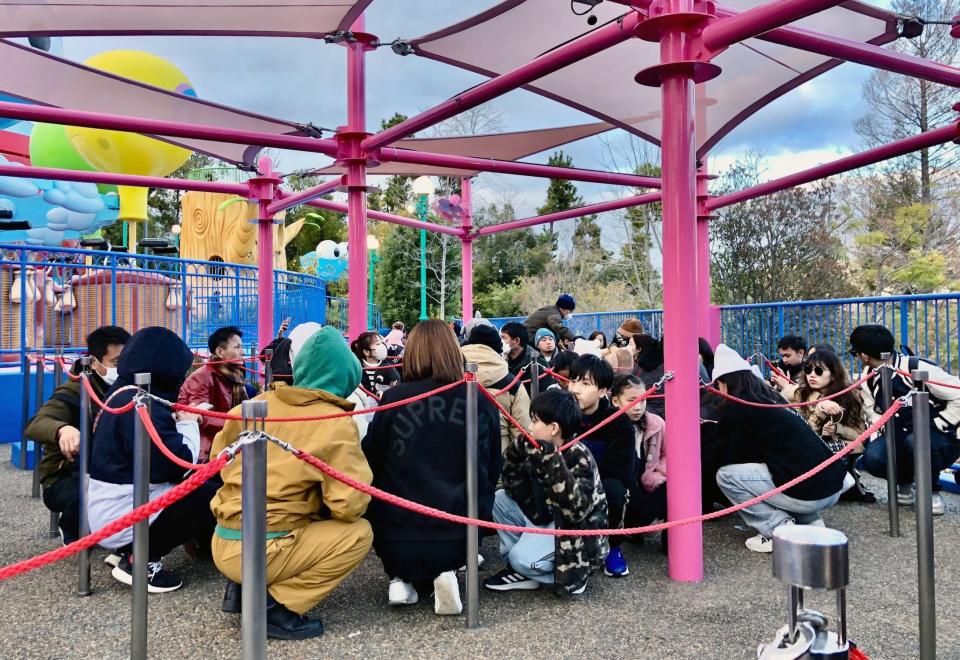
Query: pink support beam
[[861, 53], [590, 44], [264, 187], [50, 115], [57, 174], [296, 199], [703, 254], [760, 19], [356, 183], [685, 558], [466, 243], [337, 207], [392, 154], [579, 212], [892, 150]]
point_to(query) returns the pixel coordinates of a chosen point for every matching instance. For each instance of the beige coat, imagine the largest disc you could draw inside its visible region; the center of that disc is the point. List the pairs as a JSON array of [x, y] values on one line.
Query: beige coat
[[492, 368]]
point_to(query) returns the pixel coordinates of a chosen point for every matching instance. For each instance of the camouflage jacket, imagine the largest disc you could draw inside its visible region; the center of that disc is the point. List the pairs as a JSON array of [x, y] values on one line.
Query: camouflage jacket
[[564, 489]]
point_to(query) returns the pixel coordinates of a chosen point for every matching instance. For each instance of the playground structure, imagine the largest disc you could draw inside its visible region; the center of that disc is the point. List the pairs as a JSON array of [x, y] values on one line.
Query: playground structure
[[753, 52]]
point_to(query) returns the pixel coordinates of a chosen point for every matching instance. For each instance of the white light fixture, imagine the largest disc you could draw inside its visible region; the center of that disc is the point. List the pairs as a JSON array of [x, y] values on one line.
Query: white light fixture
[[372, 242], [422, 185], [175, 230]]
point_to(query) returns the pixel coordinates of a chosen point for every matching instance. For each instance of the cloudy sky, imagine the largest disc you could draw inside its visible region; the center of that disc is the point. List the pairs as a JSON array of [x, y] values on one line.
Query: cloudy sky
[[303, 80]]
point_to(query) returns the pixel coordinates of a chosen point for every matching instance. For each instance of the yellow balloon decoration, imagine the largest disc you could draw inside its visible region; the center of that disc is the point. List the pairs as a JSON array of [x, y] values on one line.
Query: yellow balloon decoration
[[130, 153]]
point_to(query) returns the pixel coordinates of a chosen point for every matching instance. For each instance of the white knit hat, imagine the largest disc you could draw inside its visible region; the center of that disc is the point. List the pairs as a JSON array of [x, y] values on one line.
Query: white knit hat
[[727, 361], [586, 347], [299, 336]]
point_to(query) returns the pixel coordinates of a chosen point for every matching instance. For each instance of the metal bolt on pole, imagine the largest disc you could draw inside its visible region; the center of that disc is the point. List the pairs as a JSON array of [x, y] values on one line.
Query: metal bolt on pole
[[25, 410], [473, 536], [141, 531], [890, 442], [534, 379], [253, 458], [924, 512], [267, 369], [83, 564], [41, 373]]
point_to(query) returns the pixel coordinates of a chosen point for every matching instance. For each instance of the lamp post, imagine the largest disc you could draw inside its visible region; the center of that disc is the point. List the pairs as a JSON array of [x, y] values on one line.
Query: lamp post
[[423, 188], [372, 245]]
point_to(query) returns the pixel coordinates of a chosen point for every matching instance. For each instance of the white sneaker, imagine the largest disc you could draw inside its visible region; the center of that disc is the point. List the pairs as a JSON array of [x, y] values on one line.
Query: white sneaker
[[112, 560], [938, 506], [446, 594], [906, 495], [480, 561], [402, 593], [759, 543]]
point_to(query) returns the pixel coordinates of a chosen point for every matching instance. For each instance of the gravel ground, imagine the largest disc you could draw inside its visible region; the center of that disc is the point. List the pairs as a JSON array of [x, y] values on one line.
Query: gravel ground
[[644, 615]]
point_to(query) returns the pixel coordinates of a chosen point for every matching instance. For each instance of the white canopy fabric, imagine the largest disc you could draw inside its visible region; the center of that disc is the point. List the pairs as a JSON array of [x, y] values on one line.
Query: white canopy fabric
[[754, 72], [291, 18]]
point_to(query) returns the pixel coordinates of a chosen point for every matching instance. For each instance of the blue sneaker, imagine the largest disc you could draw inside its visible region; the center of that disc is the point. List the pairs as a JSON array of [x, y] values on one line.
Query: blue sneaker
[[616, 565]]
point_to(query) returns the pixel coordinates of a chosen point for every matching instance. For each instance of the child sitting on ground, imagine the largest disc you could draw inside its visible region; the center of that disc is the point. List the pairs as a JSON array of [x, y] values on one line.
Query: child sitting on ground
[[648, 502], [543, 487]]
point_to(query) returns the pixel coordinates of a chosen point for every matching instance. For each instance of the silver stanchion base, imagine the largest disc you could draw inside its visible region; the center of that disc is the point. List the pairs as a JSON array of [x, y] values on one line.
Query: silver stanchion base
[[812, 643]]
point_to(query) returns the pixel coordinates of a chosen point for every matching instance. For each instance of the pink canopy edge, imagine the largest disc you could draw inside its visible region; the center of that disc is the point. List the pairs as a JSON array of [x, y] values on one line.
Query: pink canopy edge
[[292, 18], [53, 81], [621, 119], [498, 146]]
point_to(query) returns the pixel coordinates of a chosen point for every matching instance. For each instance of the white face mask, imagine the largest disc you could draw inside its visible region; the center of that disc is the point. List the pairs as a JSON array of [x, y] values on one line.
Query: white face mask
[[506, 348], [111, 376], [380, 353]]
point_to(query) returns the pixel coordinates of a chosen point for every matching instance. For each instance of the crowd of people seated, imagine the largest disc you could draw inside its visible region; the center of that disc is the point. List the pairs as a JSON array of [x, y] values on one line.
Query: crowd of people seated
[[615, 476]]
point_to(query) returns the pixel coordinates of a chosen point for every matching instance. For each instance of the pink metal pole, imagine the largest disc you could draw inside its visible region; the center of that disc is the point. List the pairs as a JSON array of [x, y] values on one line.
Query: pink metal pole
[[357, 182], [466, 243], [592, 43], [760, 19], [164, 128], [685, 559], [58, 174], [703, 257], [263, 187], [892, 150], [578, 212], [392, 154], [328, 205], [289, 201]]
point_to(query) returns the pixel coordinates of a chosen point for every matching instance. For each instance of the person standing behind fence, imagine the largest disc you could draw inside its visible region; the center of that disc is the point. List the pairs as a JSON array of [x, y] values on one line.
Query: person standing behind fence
[[760, 449], [868, 343], [552, 317], [162, 354], [218, 384], [315, 533], [56, 428], [417, 451], [793, 351]]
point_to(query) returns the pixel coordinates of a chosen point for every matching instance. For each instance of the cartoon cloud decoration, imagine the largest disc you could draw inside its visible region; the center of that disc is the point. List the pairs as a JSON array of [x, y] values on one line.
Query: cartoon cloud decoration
[[131, 153]]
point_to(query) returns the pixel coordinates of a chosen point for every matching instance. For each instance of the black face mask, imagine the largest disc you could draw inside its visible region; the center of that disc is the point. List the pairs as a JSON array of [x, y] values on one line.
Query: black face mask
[[620, 341]]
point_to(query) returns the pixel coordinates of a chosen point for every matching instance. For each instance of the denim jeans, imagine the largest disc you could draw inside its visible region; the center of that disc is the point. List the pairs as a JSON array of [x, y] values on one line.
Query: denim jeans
[[530, 555], [744, 481], [943, 451]]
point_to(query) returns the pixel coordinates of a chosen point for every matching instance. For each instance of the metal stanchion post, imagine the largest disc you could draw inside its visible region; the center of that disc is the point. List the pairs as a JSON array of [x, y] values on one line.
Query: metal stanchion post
[[57, 379], [141, 531], [57, 369], [473, 537], [25, 410], [267, 369], [534, 379], [924, 511], [41, 372], [886, 393], [253, 622], [83, 584]]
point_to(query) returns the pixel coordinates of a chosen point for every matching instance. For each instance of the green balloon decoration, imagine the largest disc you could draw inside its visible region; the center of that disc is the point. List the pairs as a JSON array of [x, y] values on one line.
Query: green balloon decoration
[[50, 147]]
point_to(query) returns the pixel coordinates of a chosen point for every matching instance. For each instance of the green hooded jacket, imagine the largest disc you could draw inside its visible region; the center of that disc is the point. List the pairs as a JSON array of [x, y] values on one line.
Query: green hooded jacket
[[326, 363]]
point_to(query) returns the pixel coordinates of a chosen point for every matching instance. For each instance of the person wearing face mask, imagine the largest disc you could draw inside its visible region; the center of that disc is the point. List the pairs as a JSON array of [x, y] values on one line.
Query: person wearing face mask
[[371, 350], [56, 428], [553, 318], [619, 354], [519, 354]]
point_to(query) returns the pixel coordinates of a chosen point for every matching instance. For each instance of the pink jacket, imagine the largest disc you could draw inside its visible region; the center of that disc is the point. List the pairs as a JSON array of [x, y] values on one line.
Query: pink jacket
[[394, 338], [655, 469]]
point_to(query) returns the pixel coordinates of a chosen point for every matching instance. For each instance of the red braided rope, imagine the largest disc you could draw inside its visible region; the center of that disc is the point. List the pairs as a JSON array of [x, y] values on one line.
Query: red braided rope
[[492, 396], [560, 378], [512, 383], [176, 493], [931, 382], [643, 397], [422, 509], [802, 404], [155, 437], [317, 418], [368, 392], [100, 404]]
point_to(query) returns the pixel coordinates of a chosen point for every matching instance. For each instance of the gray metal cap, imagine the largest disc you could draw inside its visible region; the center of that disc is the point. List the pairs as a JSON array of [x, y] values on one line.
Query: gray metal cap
[[811, 557]]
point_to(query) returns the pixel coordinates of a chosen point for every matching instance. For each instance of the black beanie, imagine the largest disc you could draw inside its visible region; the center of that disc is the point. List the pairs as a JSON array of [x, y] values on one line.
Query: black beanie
[[486, 335]]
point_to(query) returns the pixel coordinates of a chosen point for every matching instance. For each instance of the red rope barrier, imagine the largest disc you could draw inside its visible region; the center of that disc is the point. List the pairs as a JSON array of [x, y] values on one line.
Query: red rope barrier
[[512, 383], [643, 397], [176, 493], [100, 404], [318, 418], [553, 373], [802, 404], [423, 509], [368, 392], [144, 415], [931, 382], [493, 398]]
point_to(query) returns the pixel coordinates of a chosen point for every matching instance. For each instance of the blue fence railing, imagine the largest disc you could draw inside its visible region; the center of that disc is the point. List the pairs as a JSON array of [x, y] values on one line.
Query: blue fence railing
[[928, 323], [337, 309]]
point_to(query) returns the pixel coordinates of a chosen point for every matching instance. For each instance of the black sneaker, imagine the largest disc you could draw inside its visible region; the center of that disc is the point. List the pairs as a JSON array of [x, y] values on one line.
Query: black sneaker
[[284, 624], [232, 598], [159, 581], [509, 580]]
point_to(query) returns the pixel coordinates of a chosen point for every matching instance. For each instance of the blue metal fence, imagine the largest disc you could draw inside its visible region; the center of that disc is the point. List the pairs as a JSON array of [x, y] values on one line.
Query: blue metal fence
[[337, 316], [928, 323]]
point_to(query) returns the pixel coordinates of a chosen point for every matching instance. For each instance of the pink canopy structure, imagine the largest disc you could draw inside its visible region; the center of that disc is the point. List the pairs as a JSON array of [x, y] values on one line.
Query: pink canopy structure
[[680, 73]]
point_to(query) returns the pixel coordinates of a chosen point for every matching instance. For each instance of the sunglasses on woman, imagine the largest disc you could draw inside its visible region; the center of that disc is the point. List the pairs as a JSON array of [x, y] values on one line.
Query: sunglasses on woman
[[818, 370]]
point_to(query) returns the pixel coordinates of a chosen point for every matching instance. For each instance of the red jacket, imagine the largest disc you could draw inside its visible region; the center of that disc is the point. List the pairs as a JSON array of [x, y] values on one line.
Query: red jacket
[[207, 385]]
